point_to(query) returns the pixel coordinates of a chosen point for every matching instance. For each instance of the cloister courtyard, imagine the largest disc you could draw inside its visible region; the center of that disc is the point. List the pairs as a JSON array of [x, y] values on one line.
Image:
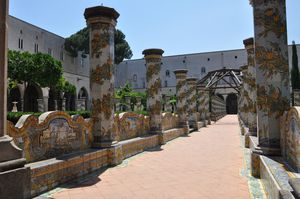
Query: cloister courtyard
[[210, 163], [234, 133]]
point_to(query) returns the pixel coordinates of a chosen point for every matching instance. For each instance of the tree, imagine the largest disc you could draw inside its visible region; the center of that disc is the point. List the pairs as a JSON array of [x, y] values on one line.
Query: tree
[[122, 48], [80, 42], [127, 90], [295, 76], [21, 67], [65, 86], [40, 69], [49, 70]]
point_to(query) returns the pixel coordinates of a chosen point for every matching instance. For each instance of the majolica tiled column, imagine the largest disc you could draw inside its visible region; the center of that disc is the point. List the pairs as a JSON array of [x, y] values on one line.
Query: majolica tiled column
[[192, 106], [296, 97], [14, 177], [181, 93], [101, 22], [243, 99], [207, 102], [168, 107], [272, 71], [153, 63], [201, 103], [251, 87]]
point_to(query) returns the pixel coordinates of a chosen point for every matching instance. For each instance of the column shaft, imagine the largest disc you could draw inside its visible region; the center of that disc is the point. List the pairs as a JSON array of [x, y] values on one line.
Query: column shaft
[[192, 105], [244, 97], [3, 65], [249, 79], [101, 22], [272, 72], [181, 93], [153, 63], [207, 105], [201, 102]]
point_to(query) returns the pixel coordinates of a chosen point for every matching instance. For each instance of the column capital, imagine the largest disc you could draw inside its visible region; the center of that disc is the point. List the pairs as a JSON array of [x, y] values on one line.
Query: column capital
[[101, 14], [191, 80], [200, 86], [251, 2], [167, 97], [180, 73], [101, 11], [244, 68], [249, 43], [153, 51]]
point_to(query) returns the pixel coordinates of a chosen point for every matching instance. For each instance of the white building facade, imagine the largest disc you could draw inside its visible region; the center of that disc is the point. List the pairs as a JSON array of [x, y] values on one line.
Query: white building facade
[[23, 36]]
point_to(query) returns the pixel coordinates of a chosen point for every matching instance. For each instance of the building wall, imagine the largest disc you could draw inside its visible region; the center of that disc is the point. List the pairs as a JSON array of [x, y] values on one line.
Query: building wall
[[75, 70], [198, 66], [234, 59]]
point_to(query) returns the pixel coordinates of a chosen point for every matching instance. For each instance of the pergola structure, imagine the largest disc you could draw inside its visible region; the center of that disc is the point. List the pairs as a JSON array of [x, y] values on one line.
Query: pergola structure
[[232, 78]]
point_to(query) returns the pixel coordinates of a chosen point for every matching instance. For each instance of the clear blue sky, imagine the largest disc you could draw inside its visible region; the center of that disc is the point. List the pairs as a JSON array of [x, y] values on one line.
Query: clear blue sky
[[178, 27]]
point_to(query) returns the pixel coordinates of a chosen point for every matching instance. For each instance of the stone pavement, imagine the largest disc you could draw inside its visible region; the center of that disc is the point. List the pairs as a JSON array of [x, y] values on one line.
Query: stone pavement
[[206, 164]]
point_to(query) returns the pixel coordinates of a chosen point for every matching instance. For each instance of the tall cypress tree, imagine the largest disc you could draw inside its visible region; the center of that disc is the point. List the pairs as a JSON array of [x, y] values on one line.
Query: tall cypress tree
[[295, 70]]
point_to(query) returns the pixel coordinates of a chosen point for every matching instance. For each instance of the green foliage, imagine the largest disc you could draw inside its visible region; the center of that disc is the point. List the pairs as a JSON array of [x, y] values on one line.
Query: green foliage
[[49, 69], [12, 84], [122, 48], [84, 114], [15, 116], [127, 90], [80, 42], [21, 67], [124, 91], [65, 86], [137, 112], [40, 69], [173, 100], [295, 76]]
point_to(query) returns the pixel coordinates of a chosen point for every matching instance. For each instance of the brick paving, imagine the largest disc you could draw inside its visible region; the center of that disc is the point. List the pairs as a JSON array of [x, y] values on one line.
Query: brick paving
[[207, 164]]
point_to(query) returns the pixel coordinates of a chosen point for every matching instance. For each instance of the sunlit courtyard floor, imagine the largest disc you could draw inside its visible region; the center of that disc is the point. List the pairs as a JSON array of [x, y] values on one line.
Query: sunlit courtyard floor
[[208, 164]]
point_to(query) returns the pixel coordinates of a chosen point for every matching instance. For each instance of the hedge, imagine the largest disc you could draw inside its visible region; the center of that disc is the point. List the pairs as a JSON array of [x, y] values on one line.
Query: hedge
[[15, 116]]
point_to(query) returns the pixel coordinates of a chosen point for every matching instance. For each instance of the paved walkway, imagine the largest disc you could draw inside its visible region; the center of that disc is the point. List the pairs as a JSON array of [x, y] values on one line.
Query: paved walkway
[[206, 165]]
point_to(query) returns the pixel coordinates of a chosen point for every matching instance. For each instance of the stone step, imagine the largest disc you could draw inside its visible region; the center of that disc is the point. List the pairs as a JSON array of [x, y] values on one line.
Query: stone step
[[200, 125], [275, 174]]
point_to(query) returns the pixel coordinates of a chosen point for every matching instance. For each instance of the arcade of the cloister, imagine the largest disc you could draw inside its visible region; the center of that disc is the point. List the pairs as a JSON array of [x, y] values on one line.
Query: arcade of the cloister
[[40, 154]]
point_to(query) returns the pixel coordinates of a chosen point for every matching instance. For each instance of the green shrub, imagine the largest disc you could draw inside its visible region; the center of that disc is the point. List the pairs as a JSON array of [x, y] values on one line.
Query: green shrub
[[138, 112], [84, 114], [15, 116]]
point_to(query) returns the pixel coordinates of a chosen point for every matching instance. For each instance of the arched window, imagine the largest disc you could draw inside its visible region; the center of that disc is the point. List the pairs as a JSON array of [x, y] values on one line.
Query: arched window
[[203, 70], [166, 83], [167, 73], [134, 77]]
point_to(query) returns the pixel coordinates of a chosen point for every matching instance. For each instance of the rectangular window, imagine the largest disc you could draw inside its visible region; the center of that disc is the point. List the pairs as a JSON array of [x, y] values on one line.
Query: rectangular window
[[50, 51], [20, 44], [62, 55], [166, 83], [36, 48], [81, 62]]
